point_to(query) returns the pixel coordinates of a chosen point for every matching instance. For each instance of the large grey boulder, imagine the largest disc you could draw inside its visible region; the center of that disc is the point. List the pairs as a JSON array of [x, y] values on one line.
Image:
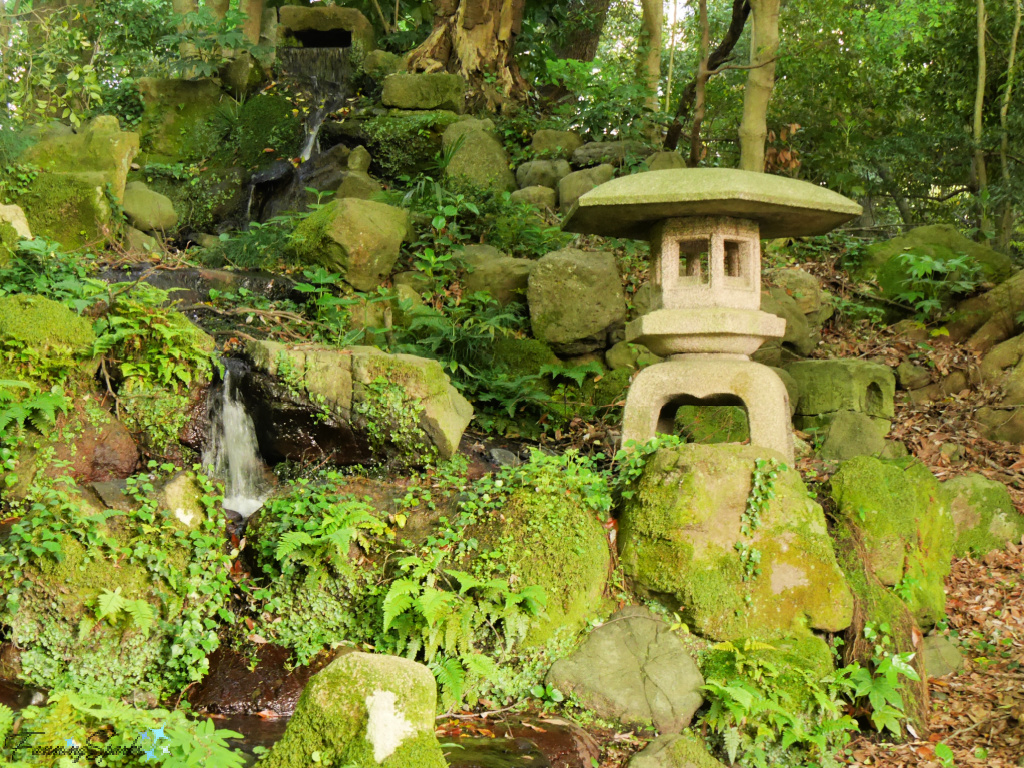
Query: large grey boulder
[[148, 210], [572, 187], [364, 710], [576, 300], [478, 158], [359, 238], [678, 537], [424, 91], [633, 669], [555, 144], [542, 173], [675, 750], [614, 152]]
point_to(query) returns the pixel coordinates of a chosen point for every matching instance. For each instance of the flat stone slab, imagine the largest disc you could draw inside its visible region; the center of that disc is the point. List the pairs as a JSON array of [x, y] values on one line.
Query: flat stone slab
[[634, 669], [630, 205]]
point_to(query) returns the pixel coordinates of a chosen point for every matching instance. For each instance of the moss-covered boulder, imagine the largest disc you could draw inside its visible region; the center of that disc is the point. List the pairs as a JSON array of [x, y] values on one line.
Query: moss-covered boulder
[[521, 357], [425, 91], [43, 340], [404, 142], [686, 538], [555, 144], [112, 598], [359, 238], [175, 117], [551, 538], [542, 173], [903, 518], [267, 121], [573, 186], [363, 711], [147, 210], [799, 340], [983, 515], [941, 242], [843, 435], [675, 750], [99, 154], [356, 405], [503, 277], [69, 210], [576, 300]]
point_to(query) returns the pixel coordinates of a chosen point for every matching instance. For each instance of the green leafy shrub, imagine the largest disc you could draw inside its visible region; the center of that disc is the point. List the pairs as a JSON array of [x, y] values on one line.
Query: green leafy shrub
[[932, 283], [75, 726]]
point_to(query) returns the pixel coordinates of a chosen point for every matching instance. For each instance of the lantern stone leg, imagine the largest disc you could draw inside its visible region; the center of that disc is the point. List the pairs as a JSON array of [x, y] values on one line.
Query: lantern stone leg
[[658, 391]]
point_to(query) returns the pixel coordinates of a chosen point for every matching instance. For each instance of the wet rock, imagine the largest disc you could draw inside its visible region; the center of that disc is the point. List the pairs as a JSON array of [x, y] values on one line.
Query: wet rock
[[351, 406], [232, 687], [635, 670]]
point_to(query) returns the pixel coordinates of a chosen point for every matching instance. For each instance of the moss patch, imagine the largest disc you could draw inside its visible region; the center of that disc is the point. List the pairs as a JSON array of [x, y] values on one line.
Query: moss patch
[[983, 514], [712, 424], [42, 339], [406, 143], [267, 122], [70, 210], [905, 522]]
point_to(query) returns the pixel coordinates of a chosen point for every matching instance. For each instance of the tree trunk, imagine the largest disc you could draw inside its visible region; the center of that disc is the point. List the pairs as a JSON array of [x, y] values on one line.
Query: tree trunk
[[1006, 218], [980, 171], [650, 48], [740, 12], [894, 192], [218, 7], [474, 38], [703, 73], [585, 22], [764, 48], [253, 10]]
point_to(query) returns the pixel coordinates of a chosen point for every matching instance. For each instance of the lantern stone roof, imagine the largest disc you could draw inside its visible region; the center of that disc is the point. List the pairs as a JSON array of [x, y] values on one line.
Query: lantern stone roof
[[783, 207]]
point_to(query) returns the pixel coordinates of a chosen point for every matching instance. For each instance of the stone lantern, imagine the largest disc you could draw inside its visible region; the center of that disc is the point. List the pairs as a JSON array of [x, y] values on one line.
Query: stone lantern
[[705, 227]]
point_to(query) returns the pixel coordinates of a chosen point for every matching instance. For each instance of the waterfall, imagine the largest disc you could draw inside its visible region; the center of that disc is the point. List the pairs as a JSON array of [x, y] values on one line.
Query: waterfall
[[324, 72], [232, 453]]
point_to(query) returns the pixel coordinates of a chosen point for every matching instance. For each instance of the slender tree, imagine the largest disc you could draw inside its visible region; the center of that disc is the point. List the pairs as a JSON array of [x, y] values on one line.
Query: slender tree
[[716, 59], [1006, 219], [764, 49], [980, 171], [650, 48]]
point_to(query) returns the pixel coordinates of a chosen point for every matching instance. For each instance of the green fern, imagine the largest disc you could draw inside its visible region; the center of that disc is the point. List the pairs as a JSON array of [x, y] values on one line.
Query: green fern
[[38, 409]]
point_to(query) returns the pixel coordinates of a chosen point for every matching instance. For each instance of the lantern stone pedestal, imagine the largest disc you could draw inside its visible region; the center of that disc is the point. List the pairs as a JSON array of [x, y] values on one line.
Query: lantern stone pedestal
[[705, 227]]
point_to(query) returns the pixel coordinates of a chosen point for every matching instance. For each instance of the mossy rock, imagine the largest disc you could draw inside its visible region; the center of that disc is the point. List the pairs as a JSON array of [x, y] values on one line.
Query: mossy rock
[[68, 209], [9, 239], [176, 115], [903, 518], [553, 540], [712, 424], [521, 357], [794, 660], [678, 537], [57, 340], [405, 143], [52, 610], [267, 121], [941, 242], [363, 711], [983, 514]]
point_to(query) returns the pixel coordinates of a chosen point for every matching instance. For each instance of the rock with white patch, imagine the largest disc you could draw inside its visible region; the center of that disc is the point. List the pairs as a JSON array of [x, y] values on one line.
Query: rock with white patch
[[363, 710]]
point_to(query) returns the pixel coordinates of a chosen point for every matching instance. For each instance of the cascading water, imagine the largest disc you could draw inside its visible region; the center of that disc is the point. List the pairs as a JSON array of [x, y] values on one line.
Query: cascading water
[[324, 72], [232, 453]]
